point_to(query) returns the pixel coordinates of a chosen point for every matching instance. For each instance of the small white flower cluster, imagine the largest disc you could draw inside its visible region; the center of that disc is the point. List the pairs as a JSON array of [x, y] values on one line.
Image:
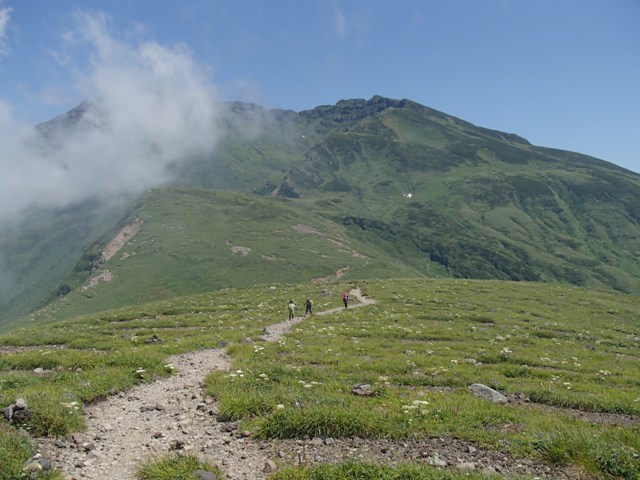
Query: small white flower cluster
[[258, 349], [502, 338], [238, 373], [140, 372], [417, 406], [506, 351], [439, 370], [169, 366], [307, 384], [264, 376], [71, 405]]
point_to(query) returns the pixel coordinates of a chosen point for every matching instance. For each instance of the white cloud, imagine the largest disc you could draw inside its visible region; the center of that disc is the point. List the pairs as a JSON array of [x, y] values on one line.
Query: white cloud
[[5, 15], [154, 105], [339, 21]]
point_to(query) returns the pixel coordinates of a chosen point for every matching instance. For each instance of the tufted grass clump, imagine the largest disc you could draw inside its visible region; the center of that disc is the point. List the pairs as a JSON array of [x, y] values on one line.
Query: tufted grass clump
[[174, 467], [366, 471], [15, 449]]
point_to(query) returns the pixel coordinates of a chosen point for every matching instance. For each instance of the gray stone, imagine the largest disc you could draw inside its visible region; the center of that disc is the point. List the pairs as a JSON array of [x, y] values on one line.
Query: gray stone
[[176, 445], [436, 461], [21, 415], [8, 412], [205, 475], [32, 467], [270, 466], [363, 390], [467, 466], [480, 390]]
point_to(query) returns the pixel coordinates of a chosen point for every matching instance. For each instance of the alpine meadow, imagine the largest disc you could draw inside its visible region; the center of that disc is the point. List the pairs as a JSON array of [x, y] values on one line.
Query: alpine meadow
[[493, 331]]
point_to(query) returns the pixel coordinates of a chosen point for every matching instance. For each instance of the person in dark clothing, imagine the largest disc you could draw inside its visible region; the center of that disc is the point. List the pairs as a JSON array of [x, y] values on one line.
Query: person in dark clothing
[[345, 299], [307, 307]]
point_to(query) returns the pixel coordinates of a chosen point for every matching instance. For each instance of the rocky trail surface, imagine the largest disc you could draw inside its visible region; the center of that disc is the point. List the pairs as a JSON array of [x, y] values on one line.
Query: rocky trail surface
[[173, 414]]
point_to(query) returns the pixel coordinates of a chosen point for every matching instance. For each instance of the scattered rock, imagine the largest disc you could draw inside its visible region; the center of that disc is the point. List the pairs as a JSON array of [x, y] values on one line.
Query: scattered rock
[[176, 445], [8, 413], [122, 434], [467, 466], [363, 390], [436, 461], [480, 390], [205, 475], [270, 466], [151, 408]]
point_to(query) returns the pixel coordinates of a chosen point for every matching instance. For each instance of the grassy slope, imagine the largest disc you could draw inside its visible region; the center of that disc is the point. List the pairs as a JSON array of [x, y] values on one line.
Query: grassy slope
[[186, 241], [484, 204], [562, 346], [41, 249]]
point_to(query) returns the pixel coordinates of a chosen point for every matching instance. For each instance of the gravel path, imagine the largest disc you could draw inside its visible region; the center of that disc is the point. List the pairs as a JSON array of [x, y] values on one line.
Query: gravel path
[[172, 414]]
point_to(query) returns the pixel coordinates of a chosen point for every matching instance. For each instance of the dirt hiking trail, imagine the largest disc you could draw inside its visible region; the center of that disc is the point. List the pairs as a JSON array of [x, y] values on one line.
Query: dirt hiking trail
[[172, 414]]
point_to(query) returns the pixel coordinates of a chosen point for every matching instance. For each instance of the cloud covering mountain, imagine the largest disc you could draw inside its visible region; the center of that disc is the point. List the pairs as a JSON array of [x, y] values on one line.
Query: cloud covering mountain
[[146, 106]]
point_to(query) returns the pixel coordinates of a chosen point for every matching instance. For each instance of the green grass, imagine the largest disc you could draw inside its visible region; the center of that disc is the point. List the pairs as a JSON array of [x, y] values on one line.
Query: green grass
[[16, 449], [419, 347], [174, 467], [360, 471], [185, 247], [424, 343]]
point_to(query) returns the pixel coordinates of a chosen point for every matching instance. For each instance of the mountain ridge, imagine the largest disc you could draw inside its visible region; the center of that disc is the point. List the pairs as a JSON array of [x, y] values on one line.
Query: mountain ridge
[[426, 191]]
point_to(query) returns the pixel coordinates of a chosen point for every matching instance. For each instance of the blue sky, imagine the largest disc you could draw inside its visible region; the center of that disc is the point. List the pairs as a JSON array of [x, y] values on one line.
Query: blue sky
[[561, 73]]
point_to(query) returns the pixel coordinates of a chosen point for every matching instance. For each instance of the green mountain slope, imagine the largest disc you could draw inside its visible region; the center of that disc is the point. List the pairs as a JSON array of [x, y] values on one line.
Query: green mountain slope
[[198, 240], [416, 191], [484, 204]]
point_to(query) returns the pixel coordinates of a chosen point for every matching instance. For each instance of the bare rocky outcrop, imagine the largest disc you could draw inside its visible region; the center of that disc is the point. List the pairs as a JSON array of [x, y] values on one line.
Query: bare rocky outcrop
[[121, 239]]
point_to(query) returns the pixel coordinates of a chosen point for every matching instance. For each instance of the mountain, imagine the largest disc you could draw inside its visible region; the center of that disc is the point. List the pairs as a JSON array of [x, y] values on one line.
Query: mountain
[[363, 189]]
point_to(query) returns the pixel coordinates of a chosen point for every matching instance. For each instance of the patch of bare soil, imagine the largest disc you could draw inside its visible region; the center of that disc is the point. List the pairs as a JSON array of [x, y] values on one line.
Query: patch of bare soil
[[174, 415], [103, 276], [11, 349], [310, 230], [241, 250], [121, 239], [340, 272], [603, 418]]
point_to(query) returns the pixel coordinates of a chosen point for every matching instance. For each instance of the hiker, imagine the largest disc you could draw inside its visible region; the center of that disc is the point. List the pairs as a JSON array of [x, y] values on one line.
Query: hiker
[[345, 298], [292, 309], [307, 307]]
